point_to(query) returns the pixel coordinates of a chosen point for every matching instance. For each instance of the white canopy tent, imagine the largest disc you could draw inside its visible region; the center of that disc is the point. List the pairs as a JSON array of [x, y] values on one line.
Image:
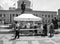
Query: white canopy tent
[[27, 17]]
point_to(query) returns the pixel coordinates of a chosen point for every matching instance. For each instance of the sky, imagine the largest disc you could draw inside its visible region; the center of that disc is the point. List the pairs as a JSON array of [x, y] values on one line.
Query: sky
[[39, 5]]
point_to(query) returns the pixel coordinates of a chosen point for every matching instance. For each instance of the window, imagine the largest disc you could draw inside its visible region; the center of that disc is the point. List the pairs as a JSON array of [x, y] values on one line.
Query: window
[[0, 15], [4, 15], [48, 15], [36, 14], [33, 14], [42, 15], [52, 16], [16, 14], [45, 21], [45, 15], [13, 14], [4, 20], [48, 21]]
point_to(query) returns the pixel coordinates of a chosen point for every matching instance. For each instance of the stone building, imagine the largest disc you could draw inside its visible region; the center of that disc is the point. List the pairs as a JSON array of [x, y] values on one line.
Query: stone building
[[58, 14], [58, 17], [7, 16]]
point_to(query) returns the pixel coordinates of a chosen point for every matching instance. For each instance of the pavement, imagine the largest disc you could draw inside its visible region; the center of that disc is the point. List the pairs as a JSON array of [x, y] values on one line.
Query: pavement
[[7, 39]]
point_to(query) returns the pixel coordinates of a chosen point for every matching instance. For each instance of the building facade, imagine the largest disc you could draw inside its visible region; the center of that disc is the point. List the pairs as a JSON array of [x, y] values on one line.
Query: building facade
[[7, 16], [58, 17], [47, 16], [58, 14], [12, 8]]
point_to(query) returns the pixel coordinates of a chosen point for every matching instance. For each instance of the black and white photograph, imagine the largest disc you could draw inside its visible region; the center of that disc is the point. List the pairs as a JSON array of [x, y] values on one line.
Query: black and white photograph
[[29, 21]]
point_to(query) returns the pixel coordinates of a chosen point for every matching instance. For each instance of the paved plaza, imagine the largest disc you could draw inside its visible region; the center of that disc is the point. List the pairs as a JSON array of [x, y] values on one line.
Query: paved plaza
[[6, 39]]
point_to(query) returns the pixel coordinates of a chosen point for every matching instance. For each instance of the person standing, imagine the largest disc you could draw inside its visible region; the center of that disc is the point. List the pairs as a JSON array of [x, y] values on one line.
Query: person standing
[[35, 31], [16, 33], [55, 22], [51, 30], [14, 25], [23, 6], [45, 30], [41, 28]]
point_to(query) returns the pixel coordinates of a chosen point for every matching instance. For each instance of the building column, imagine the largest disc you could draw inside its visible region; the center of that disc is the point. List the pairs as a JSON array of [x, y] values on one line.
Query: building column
[[10, 18]]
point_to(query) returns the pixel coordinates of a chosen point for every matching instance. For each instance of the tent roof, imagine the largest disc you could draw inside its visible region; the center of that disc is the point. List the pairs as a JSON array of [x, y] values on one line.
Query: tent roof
[[28, 17]]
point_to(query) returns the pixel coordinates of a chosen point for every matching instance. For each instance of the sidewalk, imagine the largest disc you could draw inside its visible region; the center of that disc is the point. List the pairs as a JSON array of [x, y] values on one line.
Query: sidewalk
[[10, 30], [5, 39]]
